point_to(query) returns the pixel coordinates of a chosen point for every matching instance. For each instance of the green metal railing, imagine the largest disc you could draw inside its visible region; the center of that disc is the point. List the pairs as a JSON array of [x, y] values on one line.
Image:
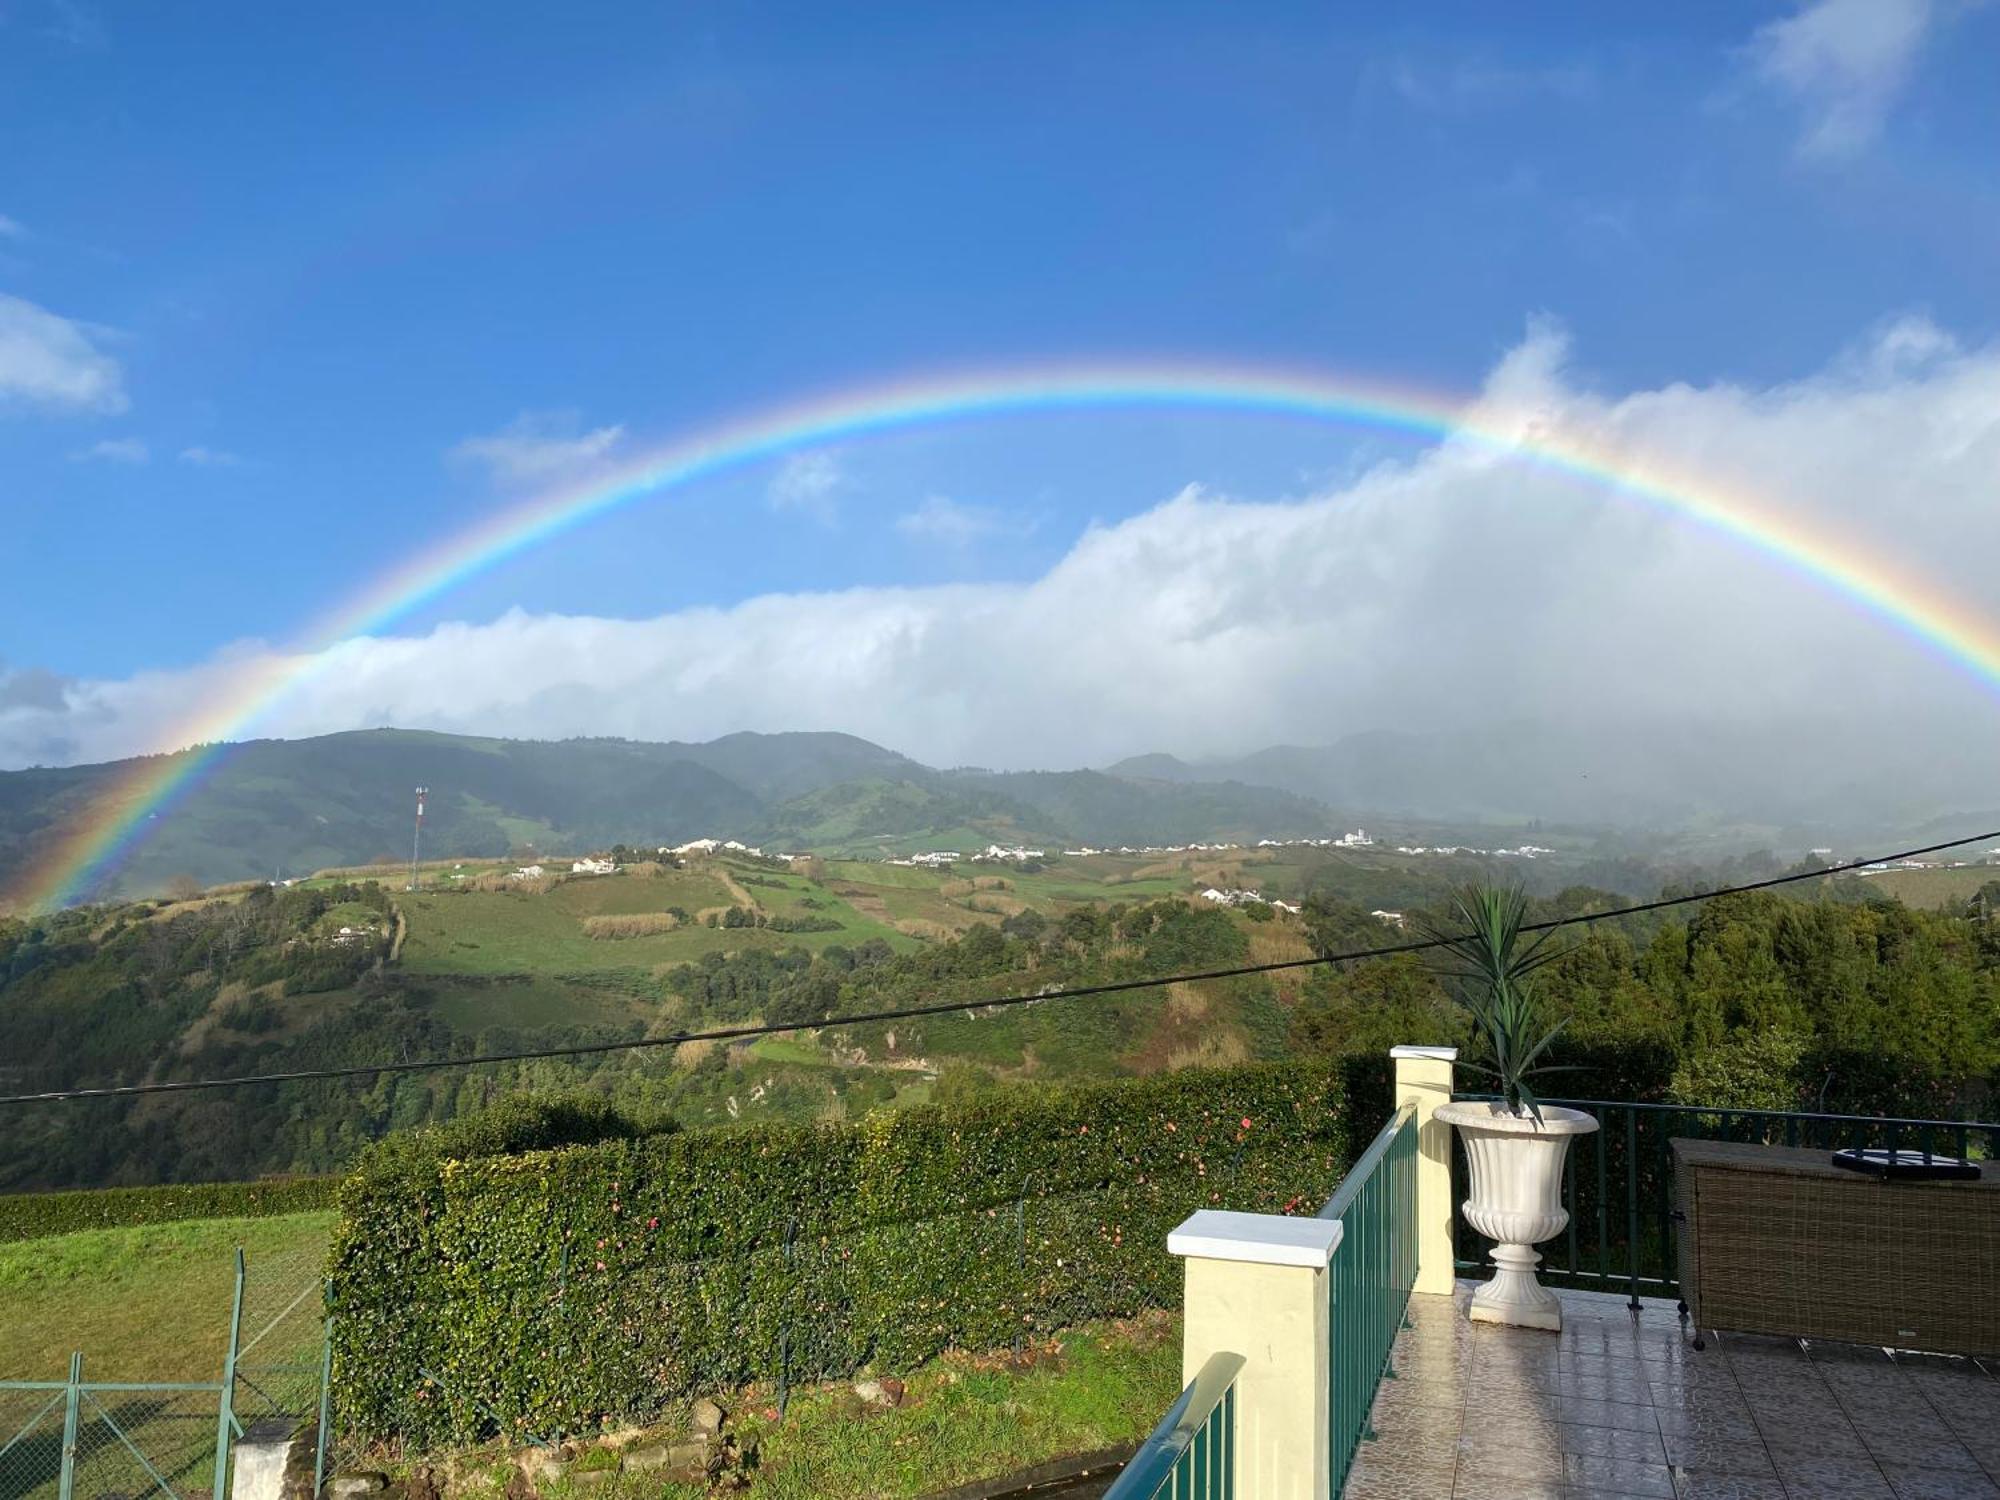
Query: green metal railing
[[1374, 1266], [1618, 1181], [1192, 1453]]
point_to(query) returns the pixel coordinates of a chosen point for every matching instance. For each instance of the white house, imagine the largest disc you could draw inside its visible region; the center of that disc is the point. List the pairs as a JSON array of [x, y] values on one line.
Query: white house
[[528, 872], [593, 867]]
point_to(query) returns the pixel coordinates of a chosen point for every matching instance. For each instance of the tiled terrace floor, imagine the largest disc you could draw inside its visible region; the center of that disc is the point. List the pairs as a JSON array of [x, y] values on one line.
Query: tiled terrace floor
[[1620, 1404]]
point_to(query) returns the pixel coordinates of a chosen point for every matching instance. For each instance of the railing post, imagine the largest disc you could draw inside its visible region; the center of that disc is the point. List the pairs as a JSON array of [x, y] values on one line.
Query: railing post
[[72, 1408], [1257, 1287], [225, 1415], [1423, 1079]]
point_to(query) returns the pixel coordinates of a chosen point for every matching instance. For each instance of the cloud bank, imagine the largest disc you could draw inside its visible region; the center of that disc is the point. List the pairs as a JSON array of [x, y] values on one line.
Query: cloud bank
[[1455, 591]]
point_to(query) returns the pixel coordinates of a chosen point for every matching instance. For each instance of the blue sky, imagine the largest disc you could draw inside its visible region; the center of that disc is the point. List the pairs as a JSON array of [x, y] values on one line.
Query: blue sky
[[293, 287]]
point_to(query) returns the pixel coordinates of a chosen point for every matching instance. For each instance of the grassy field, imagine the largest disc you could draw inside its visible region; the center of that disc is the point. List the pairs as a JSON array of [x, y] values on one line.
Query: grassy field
[[1934, 888], [541, 933], [149, 1302]]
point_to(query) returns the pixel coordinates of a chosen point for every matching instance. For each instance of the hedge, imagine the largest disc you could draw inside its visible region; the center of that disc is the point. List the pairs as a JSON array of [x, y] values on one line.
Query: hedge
[[556, 1291], [30, 1216]]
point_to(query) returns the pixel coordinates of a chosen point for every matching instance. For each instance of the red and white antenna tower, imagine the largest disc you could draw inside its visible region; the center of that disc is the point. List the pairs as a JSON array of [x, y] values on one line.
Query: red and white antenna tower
[[417, 839]]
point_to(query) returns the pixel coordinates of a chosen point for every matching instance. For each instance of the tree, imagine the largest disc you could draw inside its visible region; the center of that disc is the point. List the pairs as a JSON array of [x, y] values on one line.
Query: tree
[[183, 887]]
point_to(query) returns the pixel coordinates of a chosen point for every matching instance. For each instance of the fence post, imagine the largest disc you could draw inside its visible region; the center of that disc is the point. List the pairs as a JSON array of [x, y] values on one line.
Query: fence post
[[72, 1409], [1257, 1287], [225, 1406], [1423, 1078], [325, 1405]]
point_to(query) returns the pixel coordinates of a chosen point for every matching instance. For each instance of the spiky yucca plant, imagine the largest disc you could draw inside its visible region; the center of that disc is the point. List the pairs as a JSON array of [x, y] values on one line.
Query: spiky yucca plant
[[1489, 968]]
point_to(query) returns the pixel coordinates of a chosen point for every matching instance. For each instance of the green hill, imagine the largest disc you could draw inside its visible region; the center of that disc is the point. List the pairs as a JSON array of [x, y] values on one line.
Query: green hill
[[293, 806]]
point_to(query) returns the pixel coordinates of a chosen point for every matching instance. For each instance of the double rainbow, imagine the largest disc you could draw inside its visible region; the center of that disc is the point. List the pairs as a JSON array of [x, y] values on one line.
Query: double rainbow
[[94, 843]]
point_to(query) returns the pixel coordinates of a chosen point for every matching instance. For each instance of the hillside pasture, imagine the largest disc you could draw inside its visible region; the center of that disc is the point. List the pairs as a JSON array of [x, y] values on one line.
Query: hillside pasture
[[149, 1302], [1933, 888]]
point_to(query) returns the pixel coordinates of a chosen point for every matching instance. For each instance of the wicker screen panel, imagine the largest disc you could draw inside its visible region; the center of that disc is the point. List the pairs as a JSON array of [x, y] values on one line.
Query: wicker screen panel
[[1780, 1241]]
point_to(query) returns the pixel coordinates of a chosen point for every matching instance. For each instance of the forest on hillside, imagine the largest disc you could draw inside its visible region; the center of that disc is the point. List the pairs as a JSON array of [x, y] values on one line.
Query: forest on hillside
[[1847, 1000]]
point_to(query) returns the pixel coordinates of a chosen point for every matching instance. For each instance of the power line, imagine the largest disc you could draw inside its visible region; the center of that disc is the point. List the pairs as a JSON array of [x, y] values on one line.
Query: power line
[[737, 1033]]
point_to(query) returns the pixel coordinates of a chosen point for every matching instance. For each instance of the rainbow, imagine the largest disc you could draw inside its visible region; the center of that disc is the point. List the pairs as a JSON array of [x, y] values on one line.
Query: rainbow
[[107, 830]]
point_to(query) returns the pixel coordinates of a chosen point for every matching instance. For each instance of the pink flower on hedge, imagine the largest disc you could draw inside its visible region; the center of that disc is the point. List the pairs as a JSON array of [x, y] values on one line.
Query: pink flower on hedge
[[653, 1223], [600, 1265], [1246, 1122]]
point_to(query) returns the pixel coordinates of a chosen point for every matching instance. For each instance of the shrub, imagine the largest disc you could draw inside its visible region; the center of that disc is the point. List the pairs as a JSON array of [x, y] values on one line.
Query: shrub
[[632, 925], [558, 1289], [30, 1216]]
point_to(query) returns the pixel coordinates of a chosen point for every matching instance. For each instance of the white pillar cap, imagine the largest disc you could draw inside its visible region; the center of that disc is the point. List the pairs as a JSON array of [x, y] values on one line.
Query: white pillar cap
[[1438, 1054], [1256, 1239]]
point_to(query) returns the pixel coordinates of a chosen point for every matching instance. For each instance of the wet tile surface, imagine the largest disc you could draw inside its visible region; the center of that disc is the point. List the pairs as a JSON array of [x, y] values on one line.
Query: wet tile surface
[[1621, 1404]]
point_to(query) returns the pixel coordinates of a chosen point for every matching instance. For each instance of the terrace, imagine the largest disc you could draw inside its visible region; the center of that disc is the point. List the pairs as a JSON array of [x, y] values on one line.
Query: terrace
[[1333, 1357]]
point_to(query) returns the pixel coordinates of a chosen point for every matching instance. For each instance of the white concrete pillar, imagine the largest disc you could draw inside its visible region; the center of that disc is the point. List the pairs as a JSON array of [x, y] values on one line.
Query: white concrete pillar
[[1423, 1078], [1257, 1287]]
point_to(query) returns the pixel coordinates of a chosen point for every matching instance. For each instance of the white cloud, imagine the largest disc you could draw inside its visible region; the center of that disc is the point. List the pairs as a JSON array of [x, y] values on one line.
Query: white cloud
[[1844, 63], [210, 458], [113, 450], [540, 448], [807, 483], [1461, 84], [11, 229], [51, 362], [952, 522], [1463, 590]]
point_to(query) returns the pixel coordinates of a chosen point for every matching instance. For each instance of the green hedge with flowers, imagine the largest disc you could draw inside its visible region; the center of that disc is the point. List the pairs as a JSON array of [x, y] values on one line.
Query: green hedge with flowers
[[556, 1290]]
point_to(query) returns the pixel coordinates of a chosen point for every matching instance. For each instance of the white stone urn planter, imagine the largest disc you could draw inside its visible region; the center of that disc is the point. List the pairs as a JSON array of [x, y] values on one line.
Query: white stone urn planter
[[1517, 1175]]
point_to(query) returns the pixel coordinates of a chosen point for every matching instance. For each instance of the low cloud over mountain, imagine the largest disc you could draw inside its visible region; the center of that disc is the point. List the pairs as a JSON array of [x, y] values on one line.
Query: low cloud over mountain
[[1462, 589]]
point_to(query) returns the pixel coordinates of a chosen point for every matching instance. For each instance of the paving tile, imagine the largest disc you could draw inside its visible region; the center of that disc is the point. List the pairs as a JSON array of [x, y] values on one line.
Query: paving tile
[[1441, 1423], [1709, 1426], [1406, 1446], [1712, 1455], [1919, 1452], [1628, 1415], [1609, 1367], [1754, 1346], [1510, 1405], [1506, 1375], [1833, 1478], [1705, 1486], [1879, 1426], [1581, 1470], [1727, 1487], [1510, 1468], [1836, 1439], [1614, 1442], [1499, 1487], [1913, 1483], [1852, 1361], [1372, 1479]]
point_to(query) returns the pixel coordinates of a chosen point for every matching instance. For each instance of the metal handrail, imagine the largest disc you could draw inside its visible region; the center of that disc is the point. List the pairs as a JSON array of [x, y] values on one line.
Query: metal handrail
[[1765, 1114], [1365, 1165], [1153, 1465], [1620, 1193]]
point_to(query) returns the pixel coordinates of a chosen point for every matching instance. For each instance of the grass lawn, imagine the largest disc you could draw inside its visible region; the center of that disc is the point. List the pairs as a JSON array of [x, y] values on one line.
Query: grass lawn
[[150, 1302]]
